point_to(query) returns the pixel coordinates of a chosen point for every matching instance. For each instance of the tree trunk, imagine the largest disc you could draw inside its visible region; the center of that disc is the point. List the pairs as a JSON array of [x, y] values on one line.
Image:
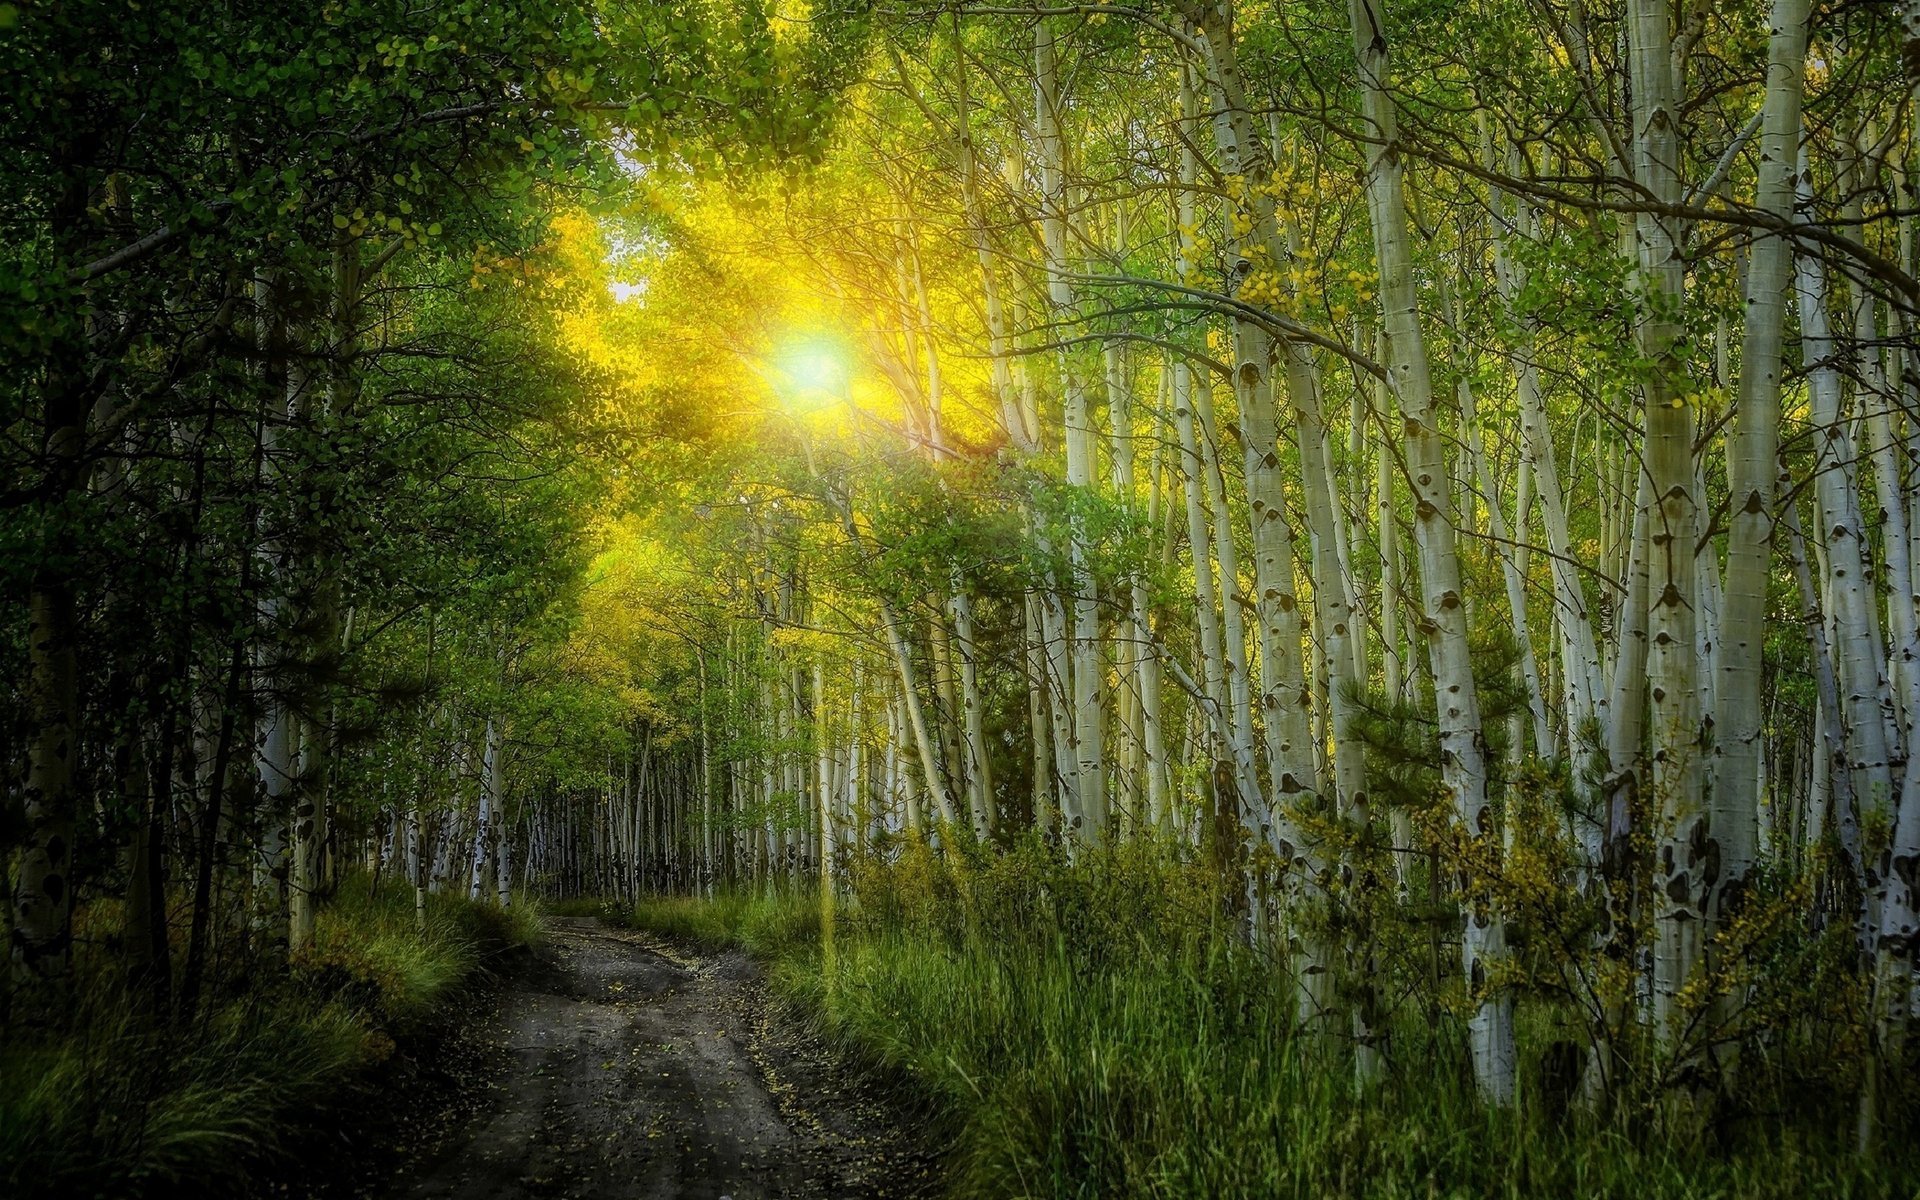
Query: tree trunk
[[1686, 863], [1752, 468], [1462, 742], [1083, 678]]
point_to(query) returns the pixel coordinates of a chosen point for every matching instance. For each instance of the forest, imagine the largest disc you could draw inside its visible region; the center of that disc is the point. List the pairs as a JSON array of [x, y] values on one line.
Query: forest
[[1306, 598]]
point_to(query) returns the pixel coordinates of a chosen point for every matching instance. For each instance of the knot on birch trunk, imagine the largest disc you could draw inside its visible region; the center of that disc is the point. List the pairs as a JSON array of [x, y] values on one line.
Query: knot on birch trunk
[[1680, 892], [1907, 868]]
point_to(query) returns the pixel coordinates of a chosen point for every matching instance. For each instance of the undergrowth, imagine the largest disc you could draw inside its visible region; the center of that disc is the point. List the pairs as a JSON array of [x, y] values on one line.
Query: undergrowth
[[119, 1102], [1097, 1031], [770, 923]]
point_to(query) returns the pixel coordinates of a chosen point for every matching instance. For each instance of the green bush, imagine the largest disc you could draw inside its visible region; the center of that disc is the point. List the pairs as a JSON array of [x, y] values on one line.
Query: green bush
[[119, 1103]]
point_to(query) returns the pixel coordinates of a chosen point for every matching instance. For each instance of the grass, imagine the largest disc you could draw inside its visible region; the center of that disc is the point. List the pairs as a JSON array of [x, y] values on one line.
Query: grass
[[579, 906], [774, 924], [118, 1104], [1090, 1032]]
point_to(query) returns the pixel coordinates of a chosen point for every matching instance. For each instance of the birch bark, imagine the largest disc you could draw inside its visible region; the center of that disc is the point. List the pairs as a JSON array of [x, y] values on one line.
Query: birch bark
[[484, 832], [1752, 468], [1687, 858], [1462, 742], [1851, 602], [1141, 659], [1084, 676]]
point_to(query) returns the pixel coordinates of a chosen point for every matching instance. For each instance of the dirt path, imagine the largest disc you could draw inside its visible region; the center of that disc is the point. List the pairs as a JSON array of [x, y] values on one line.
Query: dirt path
[[630, 1070]]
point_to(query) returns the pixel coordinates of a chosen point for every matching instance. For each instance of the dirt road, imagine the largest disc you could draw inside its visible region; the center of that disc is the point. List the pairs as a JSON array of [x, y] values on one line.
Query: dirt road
[[631, 1070]]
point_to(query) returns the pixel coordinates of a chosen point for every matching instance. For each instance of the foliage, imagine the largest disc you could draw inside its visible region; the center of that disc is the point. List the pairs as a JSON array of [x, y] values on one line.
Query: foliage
[[119, 1104], [1097, 1030]]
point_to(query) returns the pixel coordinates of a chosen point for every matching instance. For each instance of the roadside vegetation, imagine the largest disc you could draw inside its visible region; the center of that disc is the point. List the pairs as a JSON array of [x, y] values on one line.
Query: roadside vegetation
[[119, 1101], [1100, 1030]]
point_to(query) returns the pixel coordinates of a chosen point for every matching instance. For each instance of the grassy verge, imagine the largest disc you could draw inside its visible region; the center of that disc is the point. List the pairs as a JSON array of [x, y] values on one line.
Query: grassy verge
[[1091, 1032], [580, 906], [119, 1104], [778, 925]]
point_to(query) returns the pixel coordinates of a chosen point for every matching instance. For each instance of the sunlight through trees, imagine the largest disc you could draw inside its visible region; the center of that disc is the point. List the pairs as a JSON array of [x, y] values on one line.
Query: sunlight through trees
[[1446, 476]]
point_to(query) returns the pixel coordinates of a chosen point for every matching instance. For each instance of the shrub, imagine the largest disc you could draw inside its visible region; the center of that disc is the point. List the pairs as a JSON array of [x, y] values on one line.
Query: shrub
[[119, 1103]]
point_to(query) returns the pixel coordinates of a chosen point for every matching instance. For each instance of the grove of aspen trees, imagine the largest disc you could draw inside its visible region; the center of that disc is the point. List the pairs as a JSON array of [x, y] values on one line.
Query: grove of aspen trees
[[1317, 597]]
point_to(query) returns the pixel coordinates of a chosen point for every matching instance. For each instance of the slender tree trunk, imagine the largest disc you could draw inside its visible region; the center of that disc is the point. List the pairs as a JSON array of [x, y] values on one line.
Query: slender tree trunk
[[1462, 742], [43, 883], [1752, 468], [1582, 675], [1206, 604], [1851, 602], [484, 832], [1083, 679], [1506, 549], [1141, 659], [1686, 856], [979, 768]]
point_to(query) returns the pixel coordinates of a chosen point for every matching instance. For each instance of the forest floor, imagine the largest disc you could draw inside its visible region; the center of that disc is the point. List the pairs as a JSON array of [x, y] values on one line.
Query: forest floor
[[620, 1066]]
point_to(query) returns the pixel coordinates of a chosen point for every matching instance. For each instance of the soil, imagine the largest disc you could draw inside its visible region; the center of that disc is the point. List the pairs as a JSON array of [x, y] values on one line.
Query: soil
[[619, 1066]]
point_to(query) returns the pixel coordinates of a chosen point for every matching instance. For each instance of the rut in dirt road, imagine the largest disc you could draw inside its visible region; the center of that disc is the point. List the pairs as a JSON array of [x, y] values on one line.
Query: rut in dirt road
[[635, 1072]]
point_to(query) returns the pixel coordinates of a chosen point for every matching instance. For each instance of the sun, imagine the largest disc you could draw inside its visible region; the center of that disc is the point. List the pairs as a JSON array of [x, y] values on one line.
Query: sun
[[813, 370], [818, 365]]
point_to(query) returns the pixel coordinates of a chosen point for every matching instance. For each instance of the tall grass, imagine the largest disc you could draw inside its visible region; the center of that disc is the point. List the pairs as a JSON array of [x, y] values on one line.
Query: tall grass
[[771, 923], [119, 1103], [1096, 1032]]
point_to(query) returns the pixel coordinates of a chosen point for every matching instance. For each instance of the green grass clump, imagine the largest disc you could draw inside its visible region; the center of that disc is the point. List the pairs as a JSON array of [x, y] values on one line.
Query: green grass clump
[[768, 923], [369, 945], [120, 1102], [1099, 1031], [581, 906], [126, 1108]]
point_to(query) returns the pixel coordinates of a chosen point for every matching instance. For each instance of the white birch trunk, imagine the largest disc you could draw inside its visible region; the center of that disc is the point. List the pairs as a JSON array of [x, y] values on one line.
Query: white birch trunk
[[489, 811], [1851, 601], [823, 777], [1284, 694], [1084, 676], [1685, 866], [1259, 819], [1335, 634], [1205, 600], [1462, 742], [930, 771], [1140, 659], [974, 719]]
